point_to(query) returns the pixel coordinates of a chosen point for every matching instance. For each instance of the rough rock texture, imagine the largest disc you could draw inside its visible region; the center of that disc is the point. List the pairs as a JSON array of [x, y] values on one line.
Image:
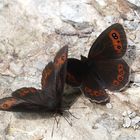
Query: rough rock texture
[[31, 31]]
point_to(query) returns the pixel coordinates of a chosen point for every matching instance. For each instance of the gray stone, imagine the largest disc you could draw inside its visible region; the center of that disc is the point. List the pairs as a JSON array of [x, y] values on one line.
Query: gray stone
[[127, 122], [124, 113], [132, 115], [135, 2], [109, 105], [125, 136], [135, 121]]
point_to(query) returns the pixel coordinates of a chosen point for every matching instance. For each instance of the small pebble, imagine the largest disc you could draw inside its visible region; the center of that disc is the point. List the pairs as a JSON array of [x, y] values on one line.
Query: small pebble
[[127, 122], [135, 2], [132, 115], [124, 114], [109, 105], [135, 121], [135, 126], [102, 3], [129, 112]]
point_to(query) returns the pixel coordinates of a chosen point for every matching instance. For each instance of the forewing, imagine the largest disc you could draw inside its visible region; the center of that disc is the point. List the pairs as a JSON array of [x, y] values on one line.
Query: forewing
[[75, 72], [31, 95], [60, 58], [49, 85], [93, 89], [110, 44], [45, 97], [114, 73], [17, 105], [60, 65], [53, 78], [48, 77], [51, 72]]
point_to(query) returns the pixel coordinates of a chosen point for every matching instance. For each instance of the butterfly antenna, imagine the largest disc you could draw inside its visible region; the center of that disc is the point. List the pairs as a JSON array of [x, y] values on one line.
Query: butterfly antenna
[[57, 121], [67, 121], [53, 125], [72, 115], [81, 91]]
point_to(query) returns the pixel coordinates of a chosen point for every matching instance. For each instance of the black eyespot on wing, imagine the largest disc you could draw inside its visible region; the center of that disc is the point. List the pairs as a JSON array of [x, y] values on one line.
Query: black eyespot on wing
[[114, 73], [111, 44], [93, 89], [8, 103], [48, 99], [17, 105]]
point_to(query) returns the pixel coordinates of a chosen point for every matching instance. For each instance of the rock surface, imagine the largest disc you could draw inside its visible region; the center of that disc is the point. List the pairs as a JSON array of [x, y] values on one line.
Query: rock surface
[[32, 31]]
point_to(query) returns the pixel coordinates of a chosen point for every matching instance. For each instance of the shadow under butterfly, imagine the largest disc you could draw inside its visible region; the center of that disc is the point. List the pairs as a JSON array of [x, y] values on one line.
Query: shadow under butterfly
[[48, 99], [104, 68]]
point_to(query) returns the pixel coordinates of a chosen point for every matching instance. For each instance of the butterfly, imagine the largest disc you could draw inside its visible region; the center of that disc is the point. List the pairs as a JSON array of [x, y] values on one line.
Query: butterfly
[[48, 99], [104, 68]]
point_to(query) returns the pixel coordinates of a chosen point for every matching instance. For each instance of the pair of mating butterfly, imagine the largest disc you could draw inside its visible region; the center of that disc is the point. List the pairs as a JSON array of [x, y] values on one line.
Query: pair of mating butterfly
[[103, 69]]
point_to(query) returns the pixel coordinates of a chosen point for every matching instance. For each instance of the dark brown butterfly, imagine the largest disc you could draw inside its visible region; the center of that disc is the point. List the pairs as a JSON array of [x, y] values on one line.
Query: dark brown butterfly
[[50, 98], [104, 68]]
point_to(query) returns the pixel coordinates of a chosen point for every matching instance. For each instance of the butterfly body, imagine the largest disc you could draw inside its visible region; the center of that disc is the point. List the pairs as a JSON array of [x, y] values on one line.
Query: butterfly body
[[104, 67]]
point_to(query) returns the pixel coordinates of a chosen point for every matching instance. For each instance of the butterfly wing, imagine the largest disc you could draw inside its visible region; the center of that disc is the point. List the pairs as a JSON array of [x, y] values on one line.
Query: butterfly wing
[[52, 70], [30, 95], [75, 72], [114, 73], [60, 64], [33, 100], [9, 103], [17, 105], [70, 98], [43, 97], [93, 89], [50, 84], [111, 44], [48, 74]]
